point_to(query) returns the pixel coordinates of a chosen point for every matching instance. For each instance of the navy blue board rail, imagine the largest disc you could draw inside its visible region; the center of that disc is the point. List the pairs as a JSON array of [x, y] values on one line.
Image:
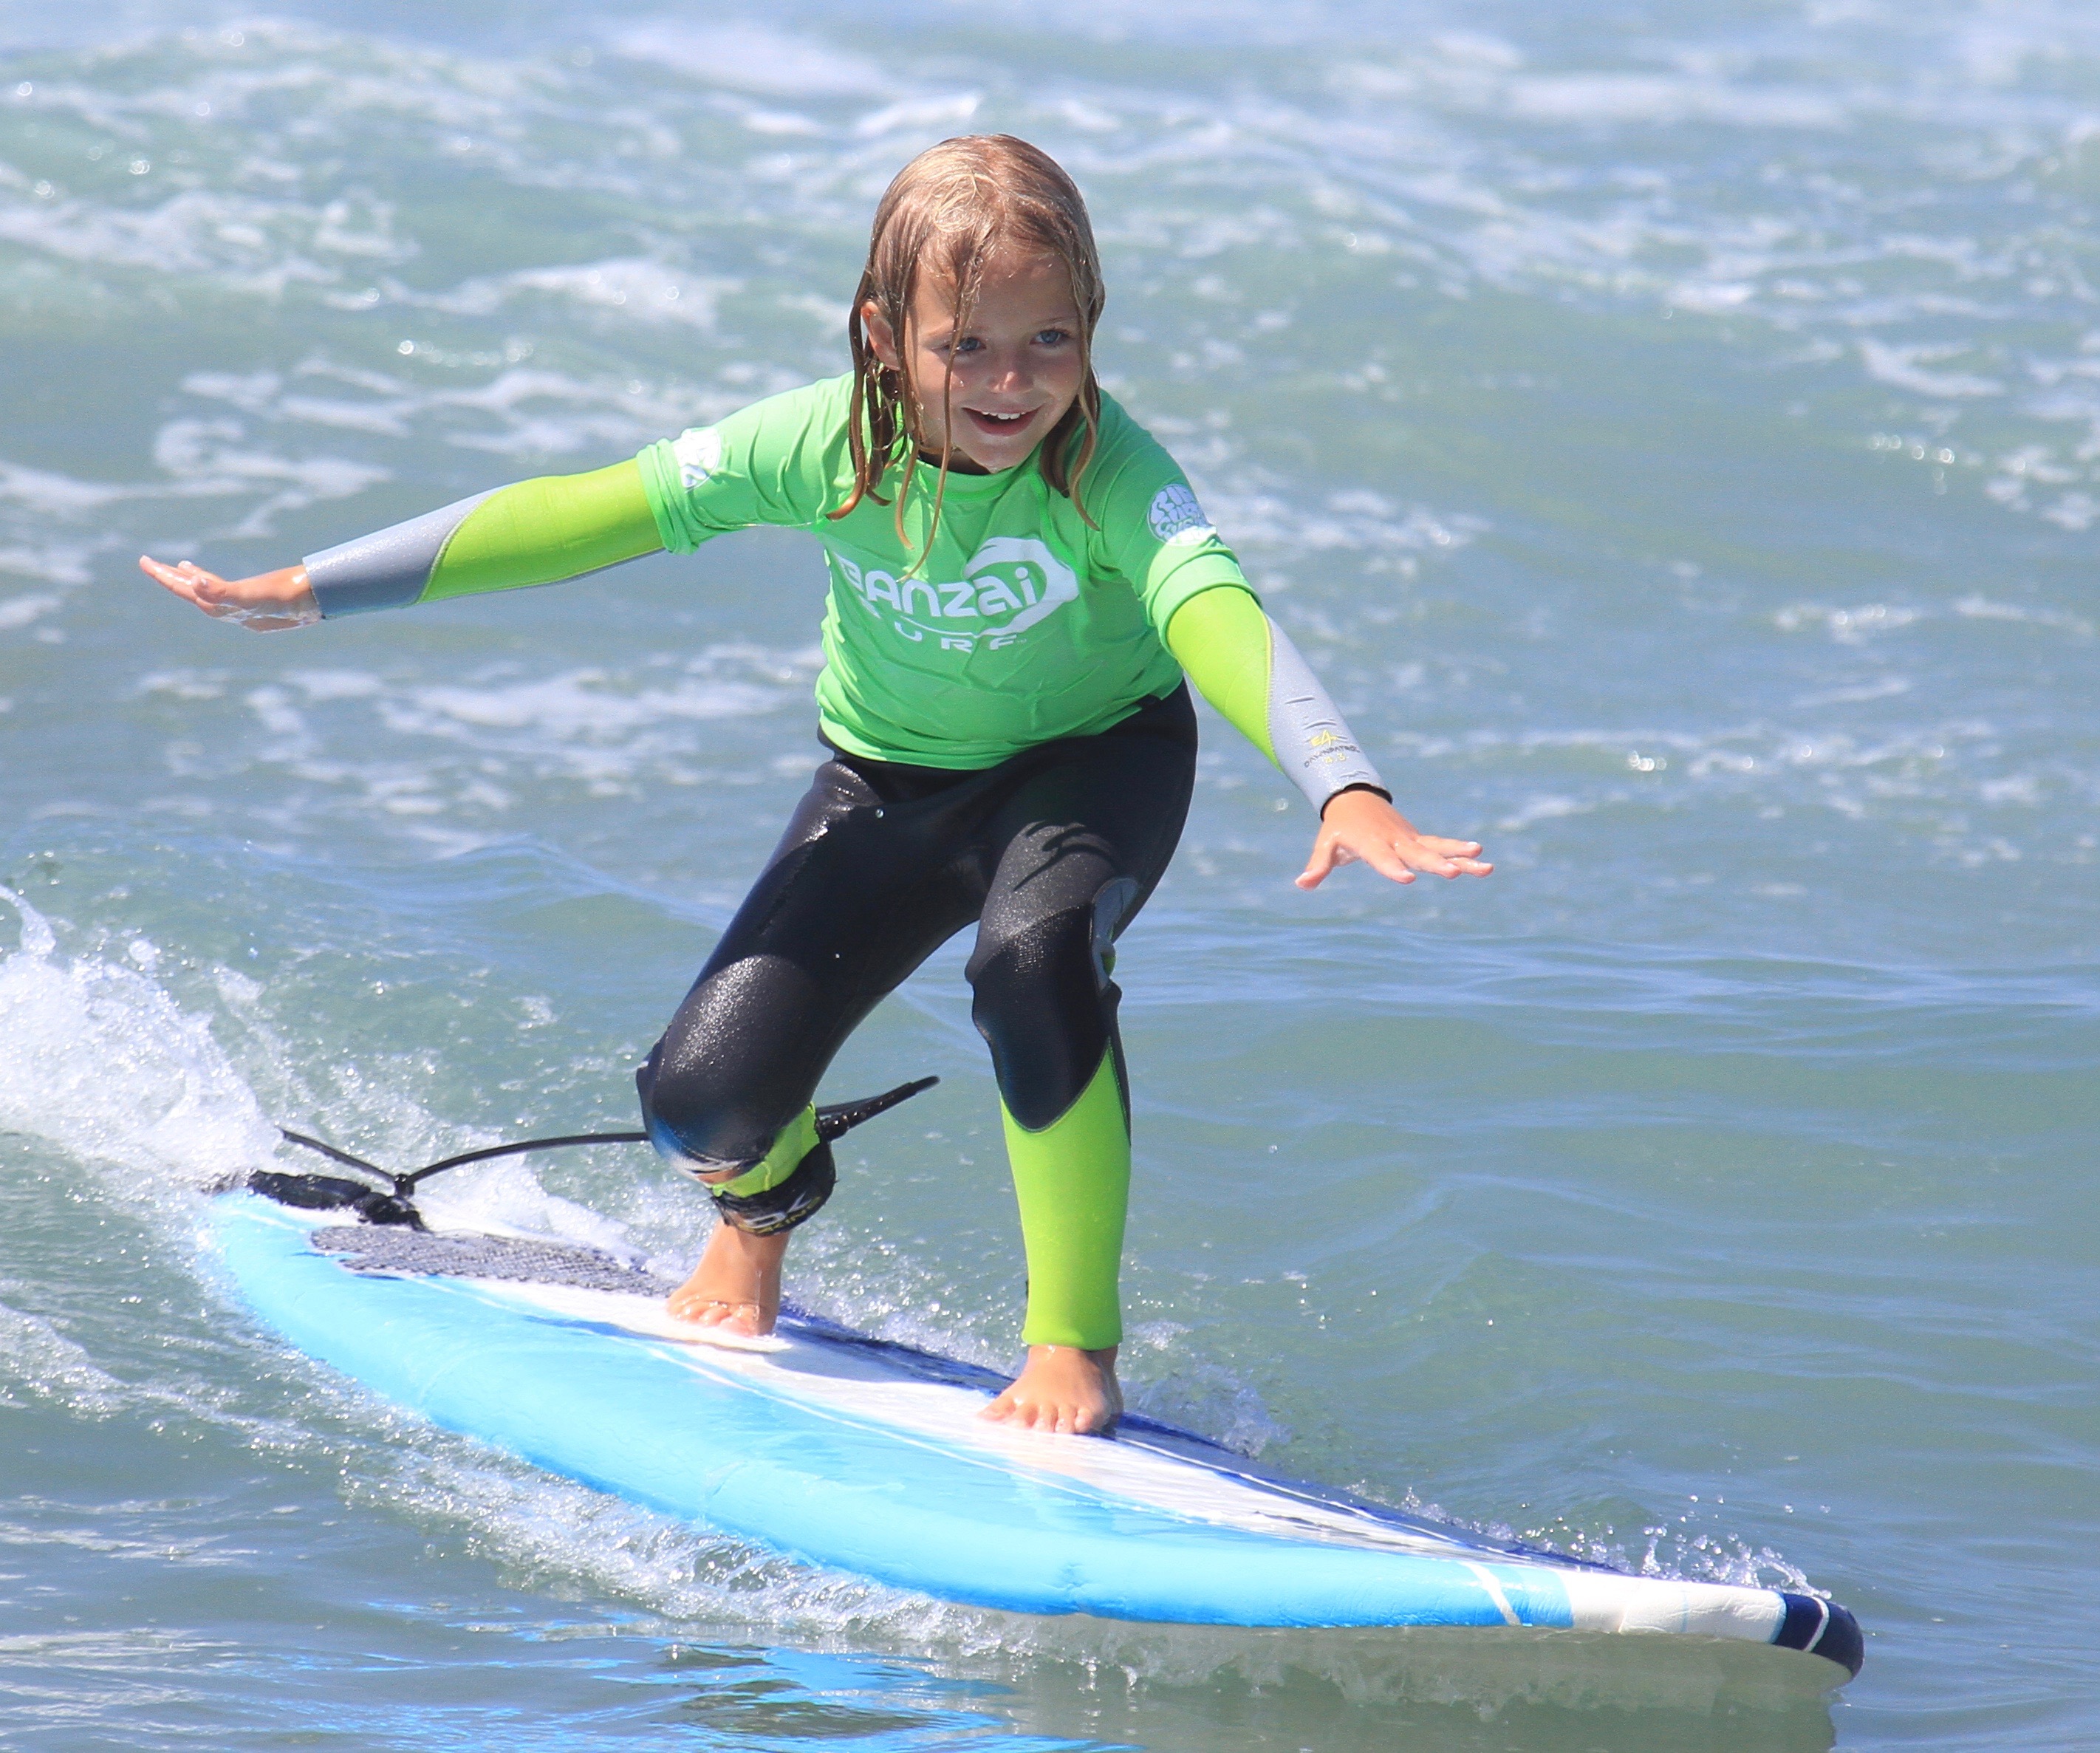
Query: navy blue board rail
[[865, 1457]]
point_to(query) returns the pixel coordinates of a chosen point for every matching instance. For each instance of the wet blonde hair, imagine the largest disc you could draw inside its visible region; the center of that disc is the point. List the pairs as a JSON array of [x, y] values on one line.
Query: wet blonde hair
[[947, 213]]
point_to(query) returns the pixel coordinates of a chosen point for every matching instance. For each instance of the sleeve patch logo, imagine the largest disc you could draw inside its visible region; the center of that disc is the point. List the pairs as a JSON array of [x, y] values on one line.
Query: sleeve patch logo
[[699, 455], [1177, 519]]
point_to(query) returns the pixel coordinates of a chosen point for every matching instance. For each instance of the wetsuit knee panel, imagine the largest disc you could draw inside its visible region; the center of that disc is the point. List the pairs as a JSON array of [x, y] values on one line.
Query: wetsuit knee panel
[[717, 1089], [1045, 1003], [1045, 1010], [767, 1192], [1047, 949], [686, 1128]]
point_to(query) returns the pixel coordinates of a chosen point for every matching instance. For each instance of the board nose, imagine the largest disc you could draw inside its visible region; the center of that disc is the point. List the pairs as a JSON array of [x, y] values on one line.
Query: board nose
[[1822, 1627]]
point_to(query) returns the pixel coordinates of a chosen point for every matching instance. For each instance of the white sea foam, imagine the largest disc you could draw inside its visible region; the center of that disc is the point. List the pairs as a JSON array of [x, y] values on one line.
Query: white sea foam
[[181, 684], [198, 458], [20, 611], [56, 563], [576, 704], [1662, 100], [103, 1063], [44, 492], [646, 290], [1979, 608], [37, 1359], [1551, 809], [1848, 626], [754, 58], [107, 1065], [522, 409], [1905, 367], [1355, 521], [448, 759]]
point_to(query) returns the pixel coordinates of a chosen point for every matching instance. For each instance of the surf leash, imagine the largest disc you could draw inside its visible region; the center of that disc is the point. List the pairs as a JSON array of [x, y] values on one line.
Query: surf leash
[[394, 1203]]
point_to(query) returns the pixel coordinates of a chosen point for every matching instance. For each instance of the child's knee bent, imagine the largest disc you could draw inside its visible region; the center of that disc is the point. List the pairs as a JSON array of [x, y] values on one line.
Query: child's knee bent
[[1045, 1004], [764, 1178]]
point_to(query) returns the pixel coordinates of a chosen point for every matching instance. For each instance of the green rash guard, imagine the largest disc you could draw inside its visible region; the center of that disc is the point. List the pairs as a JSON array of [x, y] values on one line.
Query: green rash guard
[[1021, 621], [1024, 622]]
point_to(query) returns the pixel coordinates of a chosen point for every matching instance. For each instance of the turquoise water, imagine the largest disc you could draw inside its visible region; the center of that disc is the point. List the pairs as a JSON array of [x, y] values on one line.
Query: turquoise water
[[1674, 433]]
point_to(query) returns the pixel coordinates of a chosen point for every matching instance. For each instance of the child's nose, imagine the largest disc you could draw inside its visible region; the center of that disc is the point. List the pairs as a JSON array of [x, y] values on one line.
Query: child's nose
[[1009, 371]]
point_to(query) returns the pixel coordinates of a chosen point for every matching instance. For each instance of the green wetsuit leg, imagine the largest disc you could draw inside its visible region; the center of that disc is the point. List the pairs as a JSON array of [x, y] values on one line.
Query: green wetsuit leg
[[1071, 1180], [1083, 841]]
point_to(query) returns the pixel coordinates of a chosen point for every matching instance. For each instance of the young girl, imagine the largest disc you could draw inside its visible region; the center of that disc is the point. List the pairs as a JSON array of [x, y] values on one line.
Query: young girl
[[1020, 578]]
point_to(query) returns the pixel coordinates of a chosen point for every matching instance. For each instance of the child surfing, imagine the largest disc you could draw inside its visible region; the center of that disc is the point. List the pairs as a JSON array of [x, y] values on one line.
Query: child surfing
[[1020, 580]]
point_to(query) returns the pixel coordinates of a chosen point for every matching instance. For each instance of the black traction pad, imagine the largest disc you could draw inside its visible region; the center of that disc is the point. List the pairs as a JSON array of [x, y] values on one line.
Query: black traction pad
[[391, 1251]]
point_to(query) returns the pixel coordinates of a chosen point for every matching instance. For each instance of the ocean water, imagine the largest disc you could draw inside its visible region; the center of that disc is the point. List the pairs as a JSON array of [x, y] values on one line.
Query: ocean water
[[1673, 429]]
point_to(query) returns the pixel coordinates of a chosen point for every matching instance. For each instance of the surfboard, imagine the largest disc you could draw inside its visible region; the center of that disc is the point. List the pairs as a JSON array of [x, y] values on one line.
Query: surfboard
[[860, 1455]]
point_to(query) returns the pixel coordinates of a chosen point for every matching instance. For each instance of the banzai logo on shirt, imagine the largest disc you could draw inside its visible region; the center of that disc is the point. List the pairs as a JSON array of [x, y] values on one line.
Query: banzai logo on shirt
[[1008, 585]]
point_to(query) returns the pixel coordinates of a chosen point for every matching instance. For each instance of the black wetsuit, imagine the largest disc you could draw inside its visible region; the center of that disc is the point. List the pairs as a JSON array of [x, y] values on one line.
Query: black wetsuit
[[1050, 853]]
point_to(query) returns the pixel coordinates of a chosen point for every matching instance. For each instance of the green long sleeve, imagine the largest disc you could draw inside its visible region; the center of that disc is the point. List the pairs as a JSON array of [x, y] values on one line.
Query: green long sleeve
[[538, 531], [1245, 665]]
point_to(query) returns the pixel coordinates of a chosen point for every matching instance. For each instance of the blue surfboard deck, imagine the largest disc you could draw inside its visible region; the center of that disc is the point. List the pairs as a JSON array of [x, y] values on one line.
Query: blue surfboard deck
[[860, 1456]]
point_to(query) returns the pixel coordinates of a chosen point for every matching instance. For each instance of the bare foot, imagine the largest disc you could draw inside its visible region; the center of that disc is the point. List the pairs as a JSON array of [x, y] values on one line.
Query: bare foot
[[1062, 1389], [736, 1286]]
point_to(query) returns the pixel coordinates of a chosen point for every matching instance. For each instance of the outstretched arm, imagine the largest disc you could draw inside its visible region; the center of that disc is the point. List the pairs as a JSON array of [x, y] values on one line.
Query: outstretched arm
[[532, 533], [1246, 667]]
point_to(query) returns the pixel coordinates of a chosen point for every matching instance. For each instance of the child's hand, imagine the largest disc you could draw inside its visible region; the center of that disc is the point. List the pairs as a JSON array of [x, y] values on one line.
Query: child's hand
[[1362, 825], [262, 604]]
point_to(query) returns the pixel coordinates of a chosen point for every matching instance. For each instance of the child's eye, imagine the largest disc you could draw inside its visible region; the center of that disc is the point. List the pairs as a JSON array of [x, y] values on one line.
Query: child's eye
[[1051, 338], [967, 344]]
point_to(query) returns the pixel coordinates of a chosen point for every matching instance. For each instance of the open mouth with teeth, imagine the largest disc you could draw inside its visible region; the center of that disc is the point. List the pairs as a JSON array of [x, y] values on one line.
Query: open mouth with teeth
[[996, 425]]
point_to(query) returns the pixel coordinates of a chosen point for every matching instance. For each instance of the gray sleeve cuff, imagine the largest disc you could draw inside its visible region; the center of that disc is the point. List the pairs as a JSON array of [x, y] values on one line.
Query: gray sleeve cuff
[[1312, 745], [386, 570]]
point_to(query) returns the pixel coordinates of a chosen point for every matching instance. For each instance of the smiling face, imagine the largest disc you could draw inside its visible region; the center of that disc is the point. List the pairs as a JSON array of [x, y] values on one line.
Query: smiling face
[[1017, 365]]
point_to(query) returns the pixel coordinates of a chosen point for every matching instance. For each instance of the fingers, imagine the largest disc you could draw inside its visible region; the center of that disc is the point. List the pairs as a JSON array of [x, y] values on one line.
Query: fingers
[[191, 582], [1330, 853], [1436, 856], [1397, 860], [1319, 866], [263, 604], [1384, 856], [1460, 857], [185, 574], [173, 577]]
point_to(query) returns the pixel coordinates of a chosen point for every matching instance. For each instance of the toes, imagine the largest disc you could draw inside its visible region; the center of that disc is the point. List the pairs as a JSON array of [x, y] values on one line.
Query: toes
[[711, 1311]]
